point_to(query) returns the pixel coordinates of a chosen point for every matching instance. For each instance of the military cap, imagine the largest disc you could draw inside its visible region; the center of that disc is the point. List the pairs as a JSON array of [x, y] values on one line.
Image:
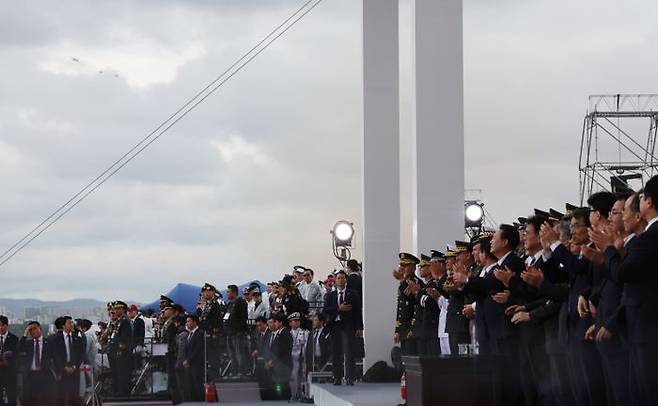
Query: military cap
[[295, 316], [339, 271], [110, 305], [120, 303], [483, 236], [570, 208], [462, 246], [546, 215], [437, 256], [523, 220], [556, 214], [408, 259], [164, 298], [450, 252], [298, 269], [424, 260], [208, 286]]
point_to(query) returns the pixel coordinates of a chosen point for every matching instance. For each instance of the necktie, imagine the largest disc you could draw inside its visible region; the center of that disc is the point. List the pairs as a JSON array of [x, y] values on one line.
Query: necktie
[[68, 353], [340, 299], [2, 344], [37, 355], [271, 339]]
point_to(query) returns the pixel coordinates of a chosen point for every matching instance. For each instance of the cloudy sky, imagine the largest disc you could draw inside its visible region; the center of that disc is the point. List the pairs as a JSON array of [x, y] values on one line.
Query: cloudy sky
[[251, 182]]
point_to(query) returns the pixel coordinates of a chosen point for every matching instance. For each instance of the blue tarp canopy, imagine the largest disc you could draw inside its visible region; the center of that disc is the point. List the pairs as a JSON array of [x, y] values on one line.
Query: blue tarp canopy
[[188, 296]]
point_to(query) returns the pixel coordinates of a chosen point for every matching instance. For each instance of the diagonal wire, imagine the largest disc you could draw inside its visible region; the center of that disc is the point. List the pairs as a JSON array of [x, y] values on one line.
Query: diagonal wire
[[149, 139]]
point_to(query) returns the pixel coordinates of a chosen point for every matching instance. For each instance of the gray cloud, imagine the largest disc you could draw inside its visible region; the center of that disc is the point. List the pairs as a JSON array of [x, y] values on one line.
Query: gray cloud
[[251, 182]]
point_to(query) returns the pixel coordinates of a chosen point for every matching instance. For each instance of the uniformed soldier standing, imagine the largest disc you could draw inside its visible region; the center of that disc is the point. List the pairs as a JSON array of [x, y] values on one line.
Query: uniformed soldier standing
[[405, 305], [169, 332], [417, 288], [211, 313], [121, 349]]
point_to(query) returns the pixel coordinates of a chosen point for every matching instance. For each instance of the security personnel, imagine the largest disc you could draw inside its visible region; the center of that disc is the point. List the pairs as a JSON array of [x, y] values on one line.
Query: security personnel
[[121, 349], [405, 305]]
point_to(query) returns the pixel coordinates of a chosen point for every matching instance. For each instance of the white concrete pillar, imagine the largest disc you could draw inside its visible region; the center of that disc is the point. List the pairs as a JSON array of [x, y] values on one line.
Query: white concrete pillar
[[437, 123], [381, 175]]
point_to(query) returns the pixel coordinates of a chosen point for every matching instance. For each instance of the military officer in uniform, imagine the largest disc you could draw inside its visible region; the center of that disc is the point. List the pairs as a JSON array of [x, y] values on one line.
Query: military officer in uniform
[[429, 302], [211, 313], [417, 288], [121, 349], [405, 305], [457, 324]]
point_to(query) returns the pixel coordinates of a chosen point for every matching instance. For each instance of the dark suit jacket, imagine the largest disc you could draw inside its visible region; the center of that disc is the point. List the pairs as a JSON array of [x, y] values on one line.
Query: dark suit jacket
[[355, 283], [488, 312], [325, 349], [237, 321], [352, 320], [262, 343], [26, 351], [194, 351], [139, 330], [77, 351], [639, 270], [280, 354], [9, 353]]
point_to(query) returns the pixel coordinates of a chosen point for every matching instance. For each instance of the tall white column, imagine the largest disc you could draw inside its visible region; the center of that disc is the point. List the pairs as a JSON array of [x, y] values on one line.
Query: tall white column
[[381, 174], [438, 123]]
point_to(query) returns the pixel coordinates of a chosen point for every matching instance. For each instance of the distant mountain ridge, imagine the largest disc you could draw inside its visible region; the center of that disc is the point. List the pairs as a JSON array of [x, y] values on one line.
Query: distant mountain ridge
[[17, 306]]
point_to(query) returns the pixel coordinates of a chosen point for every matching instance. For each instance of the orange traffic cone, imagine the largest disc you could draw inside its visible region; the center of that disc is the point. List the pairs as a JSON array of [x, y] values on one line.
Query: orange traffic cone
[[211, 393]]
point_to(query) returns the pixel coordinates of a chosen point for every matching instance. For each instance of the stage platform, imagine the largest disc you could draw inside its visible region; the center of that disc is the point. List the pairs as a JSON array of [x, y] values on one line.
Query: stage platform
[[361, 394]]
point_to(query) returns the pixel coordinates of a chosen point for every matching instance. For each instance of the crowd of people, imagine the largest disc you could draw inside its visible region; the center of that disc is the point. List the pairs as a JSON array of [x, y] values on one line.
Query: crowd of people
[[564, 303], [276, 337]]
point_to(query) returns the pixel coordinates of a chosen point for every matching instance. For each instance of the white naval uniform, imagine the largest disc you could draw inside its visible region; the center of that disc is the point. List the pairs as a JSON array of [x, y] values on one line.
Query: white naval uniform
[[444, 340], [297, 377]]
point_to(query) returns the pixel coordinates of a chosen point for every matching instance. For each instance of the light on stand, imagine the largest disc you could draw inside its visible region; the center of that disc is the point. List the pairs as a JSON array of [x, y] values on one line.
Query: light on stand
[[473, 217], [341, 240]]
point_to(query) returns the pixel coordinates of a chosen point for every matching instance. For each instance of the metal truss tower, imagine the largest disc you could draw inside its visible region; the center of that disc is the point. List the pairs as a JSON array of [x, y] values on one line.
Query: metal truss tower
[[616, 150]]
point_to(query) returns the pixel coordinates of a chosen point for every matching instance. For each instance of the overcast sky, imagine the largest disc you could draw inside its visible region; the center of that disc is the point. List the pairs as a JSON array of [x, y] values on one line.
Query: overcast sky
[[250, 183]]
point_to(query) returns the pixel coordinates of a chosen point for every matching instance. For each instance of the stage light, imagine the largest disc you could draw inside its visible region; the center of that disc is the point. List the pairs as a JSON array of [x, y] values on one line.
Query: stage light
[[343, 232], [341, 240], [474, 214]]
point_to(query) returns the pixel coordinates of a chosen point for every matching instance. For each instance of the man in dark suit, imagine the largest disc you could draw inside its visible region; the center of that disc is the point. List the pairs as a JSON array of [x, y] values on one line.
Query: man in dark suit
[[235, 326], [139, 331], [8, 354], [39, 378], [260, 354], [68, 354], [194, 361], [584, 361], [342, 309], [639, 272], [503, 336], [279, 357], [318, 348]]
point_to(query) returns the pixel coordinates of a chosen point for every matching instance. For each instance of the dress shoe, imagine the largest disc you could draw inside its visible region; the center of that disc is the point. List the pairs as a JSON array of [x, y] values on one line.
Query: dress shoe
[[338, 382]]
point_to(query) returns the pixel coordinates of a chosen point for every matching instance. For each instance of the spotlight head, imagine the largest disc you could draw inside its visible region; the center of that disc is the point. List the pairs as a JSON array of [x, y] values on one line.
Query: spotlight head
[[343, 232], [474, 214]]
